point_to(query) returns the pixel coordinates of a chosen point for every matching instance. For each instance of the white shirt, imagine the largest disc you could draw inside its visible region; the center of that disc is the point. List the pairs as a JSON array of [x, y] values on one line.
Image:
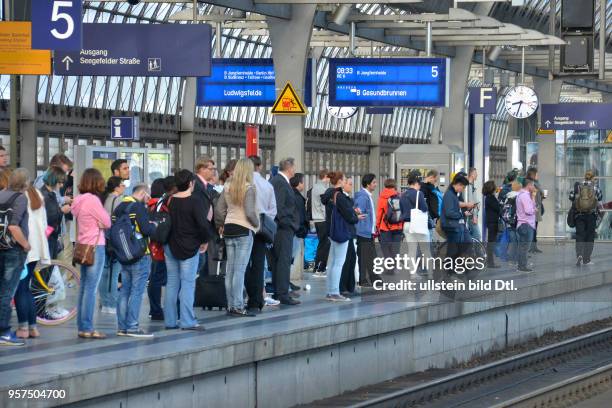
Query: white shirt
[[266, 200], [373, 211]]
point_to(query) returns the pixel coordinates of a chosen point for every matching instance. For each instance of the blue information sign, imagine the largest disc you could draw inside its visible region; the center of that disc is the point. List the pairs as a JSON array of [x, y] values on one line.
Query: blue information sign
[[139, 50], [244, 82], [577, 116], [483, 100], [56, 24], [388, 82], [125, 128]]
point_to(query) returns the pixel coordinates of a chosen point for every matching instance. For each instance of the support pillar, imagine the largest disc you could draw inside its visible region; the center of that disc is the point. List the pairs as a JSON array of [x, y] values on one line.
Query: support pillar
[[374, 155], [548, 92], [187, 130], [449, 123], [27, 124], [290, 41]]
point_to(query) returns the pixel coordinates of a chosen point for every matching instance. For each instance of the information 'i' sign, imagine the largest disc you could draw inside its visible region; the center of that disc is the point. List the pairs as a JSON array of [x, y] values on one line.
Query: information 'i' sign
[[388, 82]]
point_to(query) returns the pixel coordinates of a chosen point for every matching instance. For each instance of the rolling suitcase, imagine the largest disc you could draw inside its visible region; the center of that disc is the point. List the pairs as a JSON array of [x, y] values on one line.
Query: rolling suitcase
[[210, 291]]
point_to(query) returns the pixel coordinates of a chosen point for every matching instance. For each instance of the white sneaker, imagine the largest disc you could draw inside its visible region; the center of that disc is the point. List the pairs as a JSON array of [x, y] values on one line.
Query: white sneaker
[[108, 310], [337, 298], [57, 313], [271, 302], [319, 275]]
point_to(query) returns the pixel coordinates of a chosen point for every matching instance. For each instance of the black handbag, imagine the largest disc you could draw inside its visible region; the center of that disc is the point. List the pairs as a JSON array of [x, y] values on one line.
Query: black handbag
[[571, 217], [267, 228]]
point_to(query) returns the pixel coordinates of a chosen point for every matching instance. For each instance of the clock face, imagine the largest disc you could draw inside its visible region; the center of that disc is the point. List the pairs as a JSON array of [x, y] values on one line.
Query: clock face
[[521, 102], [342, 112]]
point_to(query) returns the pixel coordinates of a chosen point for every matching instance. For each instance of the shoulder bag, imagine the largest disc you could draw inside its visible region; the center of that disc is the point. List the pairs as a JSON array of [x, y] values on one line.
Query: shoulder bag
[[419, 220], [84, 254]]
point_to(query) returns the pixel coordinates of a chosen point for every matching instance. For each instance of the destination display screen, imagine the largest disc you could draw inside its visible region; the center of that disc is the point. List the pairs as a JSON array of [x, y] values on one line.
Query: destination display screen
[[244, 82], [388, 82]]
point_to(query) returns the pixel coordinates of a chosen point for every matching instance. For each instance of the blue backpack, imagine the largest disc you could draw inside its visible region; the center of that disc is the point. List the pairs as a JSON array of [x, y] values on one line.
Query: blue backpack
[[339, 230], [127, 247]]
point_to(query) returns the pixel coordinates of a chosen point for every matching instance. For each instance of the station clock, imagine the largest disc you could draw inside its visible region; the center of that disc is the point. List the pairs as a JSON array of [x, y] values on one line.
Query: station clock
[[342, 112], [521, 102]]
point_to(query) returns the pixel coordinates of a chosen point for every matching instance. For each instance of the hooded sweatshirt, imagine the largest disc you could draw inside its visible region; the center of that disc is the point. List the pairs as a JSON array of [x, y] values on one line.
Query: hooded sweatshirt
[[88, 212], [381, 211]]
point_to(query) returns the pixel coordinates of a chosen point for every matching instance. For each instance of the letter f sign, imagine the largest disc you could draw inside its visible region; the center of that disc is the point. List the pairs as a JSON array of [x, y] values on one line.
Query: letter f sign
[[485, 95]]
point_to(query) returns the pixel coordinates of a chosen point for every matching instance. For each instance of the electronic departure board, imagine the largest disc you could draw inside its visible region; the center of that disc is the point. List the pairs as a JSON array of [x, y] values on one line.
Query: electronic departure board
[[244, 82], [381, 82]]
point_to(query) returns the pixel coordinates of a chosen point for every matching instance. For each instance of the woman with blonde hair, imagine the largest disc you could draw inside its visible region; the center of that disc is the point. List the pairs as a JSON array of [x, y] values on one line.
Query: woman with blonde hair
[[236, 212]]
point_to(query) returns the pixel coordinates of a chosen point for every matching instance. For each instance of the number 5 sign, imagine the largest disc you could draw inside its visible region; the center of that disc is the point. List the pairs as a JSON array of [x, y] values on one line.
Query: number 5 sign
[[57, 25]]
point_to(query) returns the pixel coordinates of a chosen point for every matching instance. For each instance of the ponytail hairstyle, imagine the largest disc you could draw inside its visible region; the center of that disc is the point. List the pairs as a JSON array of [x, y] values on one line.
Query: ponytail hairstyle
[[34, 198], [335, 177]]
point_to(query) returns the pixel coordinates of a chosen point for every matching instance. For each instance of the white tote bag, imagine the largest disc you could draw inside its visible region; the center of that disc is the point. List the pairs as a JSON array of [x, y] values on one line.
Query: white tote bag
[[418, 219]]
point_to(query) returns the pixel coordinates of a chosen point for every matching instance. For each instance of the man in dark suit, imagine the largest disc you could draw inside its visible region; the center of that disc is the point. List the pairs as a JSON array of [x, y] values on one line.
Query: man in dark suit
[[205, 172], [287, 220]]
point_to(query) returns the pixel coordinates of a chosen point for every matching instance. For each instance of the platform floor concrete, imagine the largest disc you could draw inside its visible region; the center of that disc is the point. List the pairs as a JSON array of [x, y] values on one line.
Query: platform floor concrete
[[59, 352]]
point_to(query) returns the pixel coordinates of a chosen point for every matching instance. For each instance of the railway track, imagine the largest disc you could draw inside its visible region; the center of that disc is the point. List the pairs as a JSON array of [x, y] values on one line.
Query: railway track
[[558, 375]]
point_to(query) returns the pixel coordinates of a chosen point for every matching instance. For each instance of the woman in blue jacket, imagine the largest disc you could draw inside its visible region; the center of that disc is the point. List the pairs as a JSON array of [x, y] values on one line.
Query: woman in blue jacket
[[452, 219], [342, 223]]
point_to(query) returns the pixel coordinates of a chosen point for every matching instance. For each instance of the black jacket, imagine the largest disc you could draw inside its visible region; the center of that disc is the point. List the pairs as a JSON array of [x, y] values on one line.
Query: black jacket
[[345, 207], [287, 215], [431, 199], [300, 203], [492, 210], [208, 197], [54, 212]]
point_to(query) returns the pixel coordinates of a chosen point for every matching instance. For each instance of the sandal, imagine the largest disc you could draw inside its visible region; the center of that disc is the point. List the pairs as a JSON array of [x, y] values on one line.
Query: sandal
[[96, 335], [34, 332]]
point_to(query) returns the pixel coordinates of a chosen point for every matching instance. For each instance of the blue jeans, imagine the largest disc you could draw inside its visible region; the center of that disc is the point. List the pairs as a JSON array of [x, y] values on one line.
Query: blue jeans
[[133, 282], [11, 265], [180, 285], [335, 261], [90, 278], [238, 255], [108, 283], [512, 245], [525, 235], [24, 301]]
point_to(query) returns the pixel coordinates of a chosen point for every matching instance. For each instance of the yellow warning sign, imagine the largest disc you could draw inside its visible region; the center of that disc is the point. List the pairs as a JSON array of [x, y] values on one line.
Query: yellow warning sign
[[609, 137], [288, 103]]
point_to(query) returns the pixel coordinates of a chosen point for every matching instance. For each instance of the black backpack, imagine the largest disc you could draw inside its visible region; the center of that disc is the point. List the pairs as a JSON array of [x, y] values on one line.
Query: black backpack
[[394, 212], [309, 205], [6, 213], [127, 247], [164, 224]]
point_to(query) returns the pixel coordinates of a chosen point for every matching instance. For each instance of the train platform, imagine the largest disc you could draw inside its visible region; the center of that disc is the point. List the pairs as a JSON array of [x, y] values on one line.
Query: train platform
[[330, 347]]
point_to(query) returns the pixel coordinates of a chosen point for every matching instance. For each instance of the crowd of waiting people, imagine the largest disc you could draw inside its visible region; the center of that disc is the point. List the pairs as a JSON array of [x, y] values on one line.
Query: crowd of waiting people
[[129, 240]]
